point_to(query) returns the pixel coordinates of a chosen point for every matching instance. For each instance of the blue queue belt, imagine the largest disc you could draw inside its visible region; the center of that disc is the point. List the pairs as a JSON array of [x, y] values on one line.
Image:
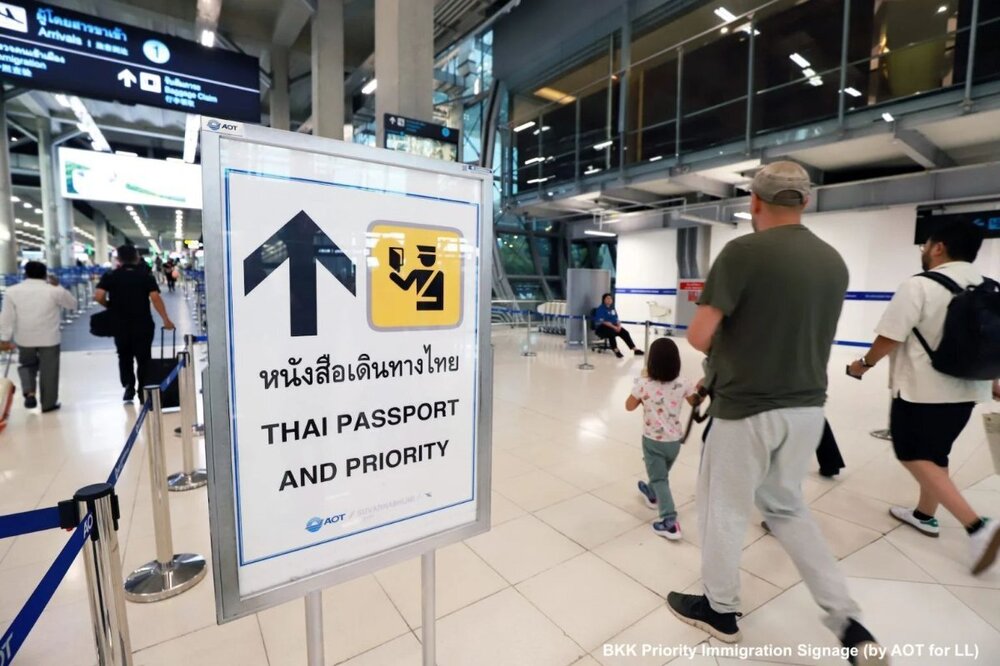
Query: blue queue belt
[[17, 632], [38, 520], [533, 313], [129, 444], [200, 338], [172, 377]]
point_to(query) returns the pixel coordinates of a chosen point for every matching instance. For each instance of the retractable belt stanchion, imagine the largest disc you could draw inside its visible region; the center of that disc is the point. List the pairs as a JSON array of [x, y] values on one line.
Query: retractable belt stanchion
[[314, 628], [197, 429], [189, 477], [884, 434], [528, 351], [169, 574], [648, 326], [103, 566], [585, 344]]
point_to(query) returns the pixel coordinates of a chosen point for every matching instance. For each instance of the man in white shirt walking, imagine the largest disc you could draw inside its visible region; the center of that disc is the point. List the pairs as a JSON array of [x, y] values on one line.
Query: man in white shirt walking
[[929, 408], [30, 320]]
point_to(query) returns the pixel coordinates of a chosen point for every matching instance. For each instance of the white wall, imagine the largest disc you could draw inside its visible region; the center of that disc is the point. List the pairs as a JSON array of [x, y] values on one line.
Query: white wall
[[646, 260], [879, 251]]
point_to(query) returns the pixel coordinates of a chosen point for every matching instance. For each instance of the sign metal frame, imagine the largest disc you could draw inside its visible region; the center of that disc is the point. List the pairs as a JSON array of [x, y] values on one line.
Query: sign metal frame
[[230, 604]]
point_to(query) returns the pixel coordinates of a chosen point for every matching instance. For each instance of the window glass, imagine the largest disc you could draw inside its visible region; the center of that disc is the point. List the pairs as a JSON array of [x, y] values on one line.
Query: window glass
[[515, 254]]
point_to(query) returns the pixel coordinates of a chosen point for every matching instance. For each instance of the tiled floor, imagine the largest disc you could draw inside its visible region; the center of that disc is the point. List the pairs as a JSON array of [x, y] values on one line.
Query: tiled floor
[[570, 569]]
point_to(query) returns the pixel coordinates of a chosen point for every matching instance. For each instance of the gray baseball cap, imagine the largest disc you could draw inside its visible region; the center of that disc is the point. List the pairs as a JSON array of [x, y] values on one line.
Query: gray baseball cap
[[782, 184]]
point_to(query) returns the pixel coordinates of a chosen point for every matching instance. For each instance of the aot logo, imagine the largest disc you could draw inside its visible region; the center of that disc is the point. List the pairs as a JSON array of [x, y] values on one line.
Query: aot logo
[[223, 127], [214, 125], [315, 524]]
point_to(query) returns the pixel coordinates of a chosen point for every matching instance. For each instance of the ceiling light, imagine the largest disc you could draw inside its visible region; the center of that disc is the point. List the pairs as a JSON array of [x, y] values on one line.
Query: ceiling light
[[743, 216], [126, 153], [746, 28], [27, 205], [595, 232], [816, 81], [799, 60], [369, 87], [62, 100], [129, 208], [656, 159], [888, 117], [725, 14], [534, 160], [553, 95], [15, 199], [942, 9], [539, 180], [591, 170], [178, 211], [725, 31], [524, 126], [543, 128], [38, 211], [208, 38], [853, 92], [602, 145], [809, 71]]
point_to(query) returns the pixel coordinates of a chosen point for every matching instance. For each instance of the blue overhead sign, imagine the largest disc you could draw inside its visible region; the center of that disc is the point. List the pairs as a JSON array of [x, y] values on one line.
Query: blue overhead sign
[[55, 49]]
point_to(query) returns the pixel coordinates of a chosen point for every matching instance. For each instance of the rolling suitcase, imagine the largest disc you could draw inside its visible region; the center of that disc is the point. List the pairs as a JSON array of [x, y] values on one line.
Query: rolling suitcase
[[160, 369], [7, 391]]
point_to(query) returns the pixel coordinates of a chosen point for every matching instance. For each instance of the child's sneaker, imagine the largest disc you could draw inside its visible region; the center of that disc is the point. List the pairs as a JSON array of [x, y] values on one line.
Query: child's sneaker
[[668, 529], [926, 527], [648, 495]]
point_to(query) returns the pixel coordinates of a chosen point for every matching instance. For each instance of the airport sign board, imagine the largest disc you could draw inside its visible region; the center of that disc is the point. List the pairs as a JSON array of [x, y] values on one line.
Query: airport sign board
[[349, 380], [49, 48]]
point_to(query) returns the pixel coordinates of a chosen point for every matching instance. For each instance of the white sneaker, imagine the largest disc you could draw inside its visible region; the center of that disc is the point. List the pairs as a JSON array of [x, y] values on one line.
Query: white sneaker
[[926, 527], [985, 544]]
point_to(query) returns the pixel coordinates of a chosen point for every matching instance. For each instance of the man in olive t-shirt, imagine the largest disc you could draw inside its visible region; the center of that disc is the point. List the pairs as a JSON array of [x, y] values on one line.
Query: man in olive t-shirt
[[767, 319]]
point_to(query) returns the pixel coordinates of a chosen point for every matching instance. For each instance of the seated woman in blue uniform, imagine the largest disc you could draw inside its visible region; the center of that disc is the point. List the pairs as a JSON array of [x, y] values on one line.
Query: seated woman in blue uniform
[[606, 326]]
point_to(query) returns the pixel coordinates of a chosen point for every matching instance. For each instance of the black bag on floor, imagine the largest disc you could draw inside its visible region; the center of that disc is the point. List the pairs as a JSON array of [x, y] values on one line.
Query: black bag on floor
[[160, 369]]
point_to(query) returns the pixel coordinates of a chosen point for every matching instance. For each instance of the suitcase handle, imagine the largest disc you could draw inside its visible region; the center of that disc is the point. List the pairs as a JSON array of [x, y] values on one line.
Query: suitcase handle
[[173, 342]]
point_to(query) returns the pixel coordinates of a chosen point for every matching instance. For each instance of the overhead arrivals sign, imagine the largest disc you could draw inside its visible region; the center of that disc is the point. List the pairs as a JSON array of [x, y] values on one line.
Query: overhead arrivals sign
[[349, 385], [50, 48]]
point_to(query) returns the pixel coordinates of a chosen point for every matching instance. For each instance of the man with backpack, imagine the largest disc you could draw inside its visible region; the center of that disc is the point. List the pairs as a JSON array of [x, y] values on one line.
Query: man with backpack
[[942, 335]]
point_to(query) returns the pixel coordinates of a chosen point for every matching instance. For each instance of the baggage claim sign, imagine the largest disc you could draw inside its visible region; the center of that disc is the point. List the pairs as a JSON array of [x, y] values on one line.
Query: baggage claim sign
[[351, 304]]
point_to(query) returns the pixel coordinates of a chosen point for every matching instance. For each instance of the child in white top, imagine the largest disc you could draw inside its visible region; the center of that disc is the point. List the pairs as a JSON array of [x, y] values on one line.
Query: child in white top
[[661, 393]]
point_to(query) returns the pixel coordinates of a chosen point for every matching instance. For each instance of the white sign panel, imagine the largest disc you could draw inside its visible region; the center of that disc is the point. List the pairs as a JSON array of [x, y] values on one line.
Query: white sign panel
[[96, 176], [346, 321]]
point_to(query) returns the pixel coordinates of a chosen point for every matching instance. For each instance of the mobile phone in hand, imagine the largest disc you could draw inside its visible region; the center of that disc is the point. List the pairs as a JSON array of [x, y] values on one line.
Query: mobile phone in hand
[[848, 370]]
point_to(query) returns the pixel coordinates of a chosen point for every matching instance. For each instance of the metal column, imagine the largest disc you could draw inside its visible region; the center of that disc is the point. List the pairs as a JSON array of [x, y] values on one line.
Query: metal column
[[8, 241]]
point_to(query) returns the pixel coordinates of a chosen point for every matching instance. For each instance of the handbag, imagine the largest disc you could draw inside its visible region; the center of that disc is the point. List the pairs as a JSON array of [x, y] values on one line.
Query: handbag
[[104, 324]]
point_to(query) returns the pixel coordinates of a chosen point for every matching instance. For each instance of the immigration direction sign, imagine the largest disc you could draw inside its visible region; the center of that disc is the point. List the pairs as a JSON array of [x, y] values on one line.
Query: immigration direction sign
[[50, 48], [349, 383]]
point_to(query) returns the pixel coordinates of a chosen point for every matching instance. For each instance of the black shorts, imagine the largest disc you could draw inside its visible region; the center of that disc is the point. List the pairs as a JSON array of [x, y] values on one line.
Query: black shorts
[[927, 431]]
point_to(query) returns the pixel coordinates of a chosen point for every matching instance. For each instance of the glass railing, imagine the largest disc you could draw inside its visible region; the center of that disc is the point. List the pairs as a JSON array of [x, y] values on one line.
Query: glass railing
[[765, 74]]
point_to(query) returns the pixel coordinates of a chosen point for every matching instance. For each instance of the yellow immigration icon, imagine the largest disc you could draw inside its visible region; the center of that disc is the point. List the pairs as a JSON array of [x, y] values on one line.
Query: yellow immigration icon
[[414, 276]]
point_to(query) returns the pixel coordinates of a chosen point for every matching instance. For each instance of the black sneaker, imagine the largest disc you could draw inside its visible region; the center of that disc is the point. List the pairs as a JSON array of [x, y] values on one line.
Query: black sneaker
[[30, 402], [129, 395], [639, 352], [857, 638], [695, 610], [619, 354], [53, 408]]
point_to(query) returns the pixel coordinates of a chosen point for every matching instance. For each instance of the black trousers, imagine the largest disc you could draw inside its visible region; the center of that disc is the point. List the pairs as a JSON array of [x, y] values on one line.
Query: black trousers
[[827, 453], [134, 346], [608, 333]]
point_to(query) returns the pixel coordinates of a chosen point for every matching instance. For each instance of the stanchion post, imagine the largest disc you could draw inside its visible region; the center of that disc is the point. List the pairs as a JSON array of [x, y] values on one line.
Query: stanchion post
[[169, 574], [428, 621], [103, 565], [528, 351], [314, 628], [190, 477], [887, 433], [586, 345], [648, 326]]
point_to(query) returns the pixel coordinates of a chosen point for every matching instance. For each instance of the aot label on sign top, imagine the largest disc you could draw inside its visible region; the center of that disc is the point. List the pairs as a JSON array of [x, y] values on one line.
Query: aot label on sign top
[[351, 306]]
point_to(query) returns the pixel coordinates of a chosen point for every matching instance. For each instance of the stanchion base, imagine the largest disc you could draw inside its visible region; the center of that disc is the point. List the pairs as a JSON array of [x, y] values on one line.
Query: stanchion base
[[196, 430], [182, 481], [528, 353], [585, 366], [882, 434], [154, 581]]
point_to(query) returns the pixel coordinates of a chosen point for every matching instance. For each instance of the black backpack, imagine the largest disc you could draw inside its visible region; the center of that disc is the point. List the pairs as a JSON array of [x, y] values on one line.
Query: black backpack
[[970, 346]]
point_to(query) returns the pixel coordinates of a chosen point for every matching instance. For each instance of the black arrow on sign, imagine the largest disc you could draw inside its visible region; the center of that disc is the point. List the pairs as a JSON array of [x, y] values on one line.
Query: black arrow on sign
[[303, 244]]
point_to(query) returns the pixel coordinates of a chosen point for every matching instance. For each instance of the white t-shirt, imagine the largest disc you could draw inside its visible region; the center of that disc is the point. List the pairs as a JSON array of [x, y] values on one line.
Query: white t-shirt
[[661, 406], [32, 311], [922, 303]]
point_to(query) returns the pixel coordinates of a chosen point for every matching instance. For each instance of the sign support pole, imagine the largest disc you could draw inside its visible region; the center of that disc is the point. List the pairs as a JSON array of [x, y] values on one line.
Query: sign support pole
[[314, 628], [428, 623]]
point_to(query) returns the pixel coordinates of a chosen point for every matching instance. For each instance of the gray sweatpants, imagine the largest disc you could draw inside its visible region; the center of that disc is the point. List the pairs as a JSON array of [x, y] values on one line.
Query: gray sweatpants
[[762, 460], [44, 361]]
